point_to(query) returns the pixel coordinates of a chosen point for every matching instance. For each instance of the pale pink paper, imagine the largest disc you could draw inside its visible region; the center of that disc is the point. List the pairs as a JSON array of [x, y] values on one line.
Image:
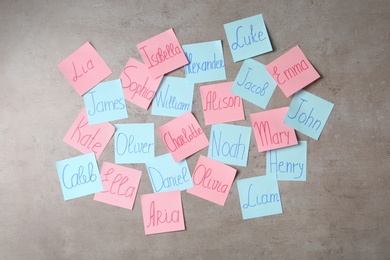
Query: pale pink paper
[[292, 71], [88, 138], [212, 180], [162, 212], [188, 134], [220, 105], [270, 131], [162, 53], [84, 68], [139, 87], [120, 185]]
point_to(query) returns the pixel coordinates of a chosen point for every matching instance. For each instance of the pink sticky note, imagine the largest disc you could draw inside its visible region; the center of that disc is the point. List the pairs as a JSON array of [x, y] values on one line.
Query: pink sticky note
[[120, 185], [292, 71], [162, 212], [220, 105], [84, 68], [212, 180], [162, 53], [270, 131], [139, 87], [183, 136], [89, 138]]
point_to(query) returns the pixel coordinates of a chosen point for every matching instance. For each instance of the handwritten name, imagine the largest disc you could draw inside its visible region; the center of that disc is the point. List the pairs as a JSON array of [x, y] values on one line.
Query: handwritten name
[[105, 105], [162, 216], [226, 149], [161, 55], [135, 88], [120, 185], [250, 86], [290, 72], [194, 67], [162, 100], [202, 176], [307, 120], [78, 178], [269, 138], [87, 140], [174, 143], [284, 166], [260, 199], [213, 102], [128, 144], [78, 75], [175, 180], [243, 40]]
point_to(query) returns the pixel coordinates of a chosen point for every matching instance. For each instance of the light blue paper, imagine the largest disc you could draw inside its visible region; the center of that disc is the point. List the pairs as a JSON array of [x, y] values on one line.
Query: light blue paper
[[79, 176], [254, 84], [206, 62], [229, 144], [259, 196], [173, 97], [248, 37], [105, 102], [167, 175], [308, 114], [134, 143], [289, 163]]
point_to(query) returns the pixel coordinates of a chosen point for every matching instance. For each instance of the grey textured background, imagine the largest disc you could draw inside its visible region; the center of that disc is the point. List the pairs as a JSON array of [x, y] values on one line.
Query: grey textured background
[[342, 211]]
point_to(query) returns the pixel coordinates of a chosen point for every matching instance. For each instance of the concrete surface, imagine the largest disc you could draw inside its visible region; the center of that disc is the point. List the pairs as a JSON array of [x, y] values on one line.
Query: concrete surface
[[342, 211]]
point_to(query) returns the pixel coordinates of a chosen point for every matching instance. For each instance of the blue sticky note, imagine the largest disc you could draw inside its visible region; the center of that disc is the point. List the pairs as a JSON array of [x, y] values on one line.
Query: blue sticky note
[[254, 84], [167, 175], [173, 97], [79, 176], [308, 114], [206, 62], [259, 196], [248, 37], [105, 102], [134, 143], [289, 163], [229, 144]]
